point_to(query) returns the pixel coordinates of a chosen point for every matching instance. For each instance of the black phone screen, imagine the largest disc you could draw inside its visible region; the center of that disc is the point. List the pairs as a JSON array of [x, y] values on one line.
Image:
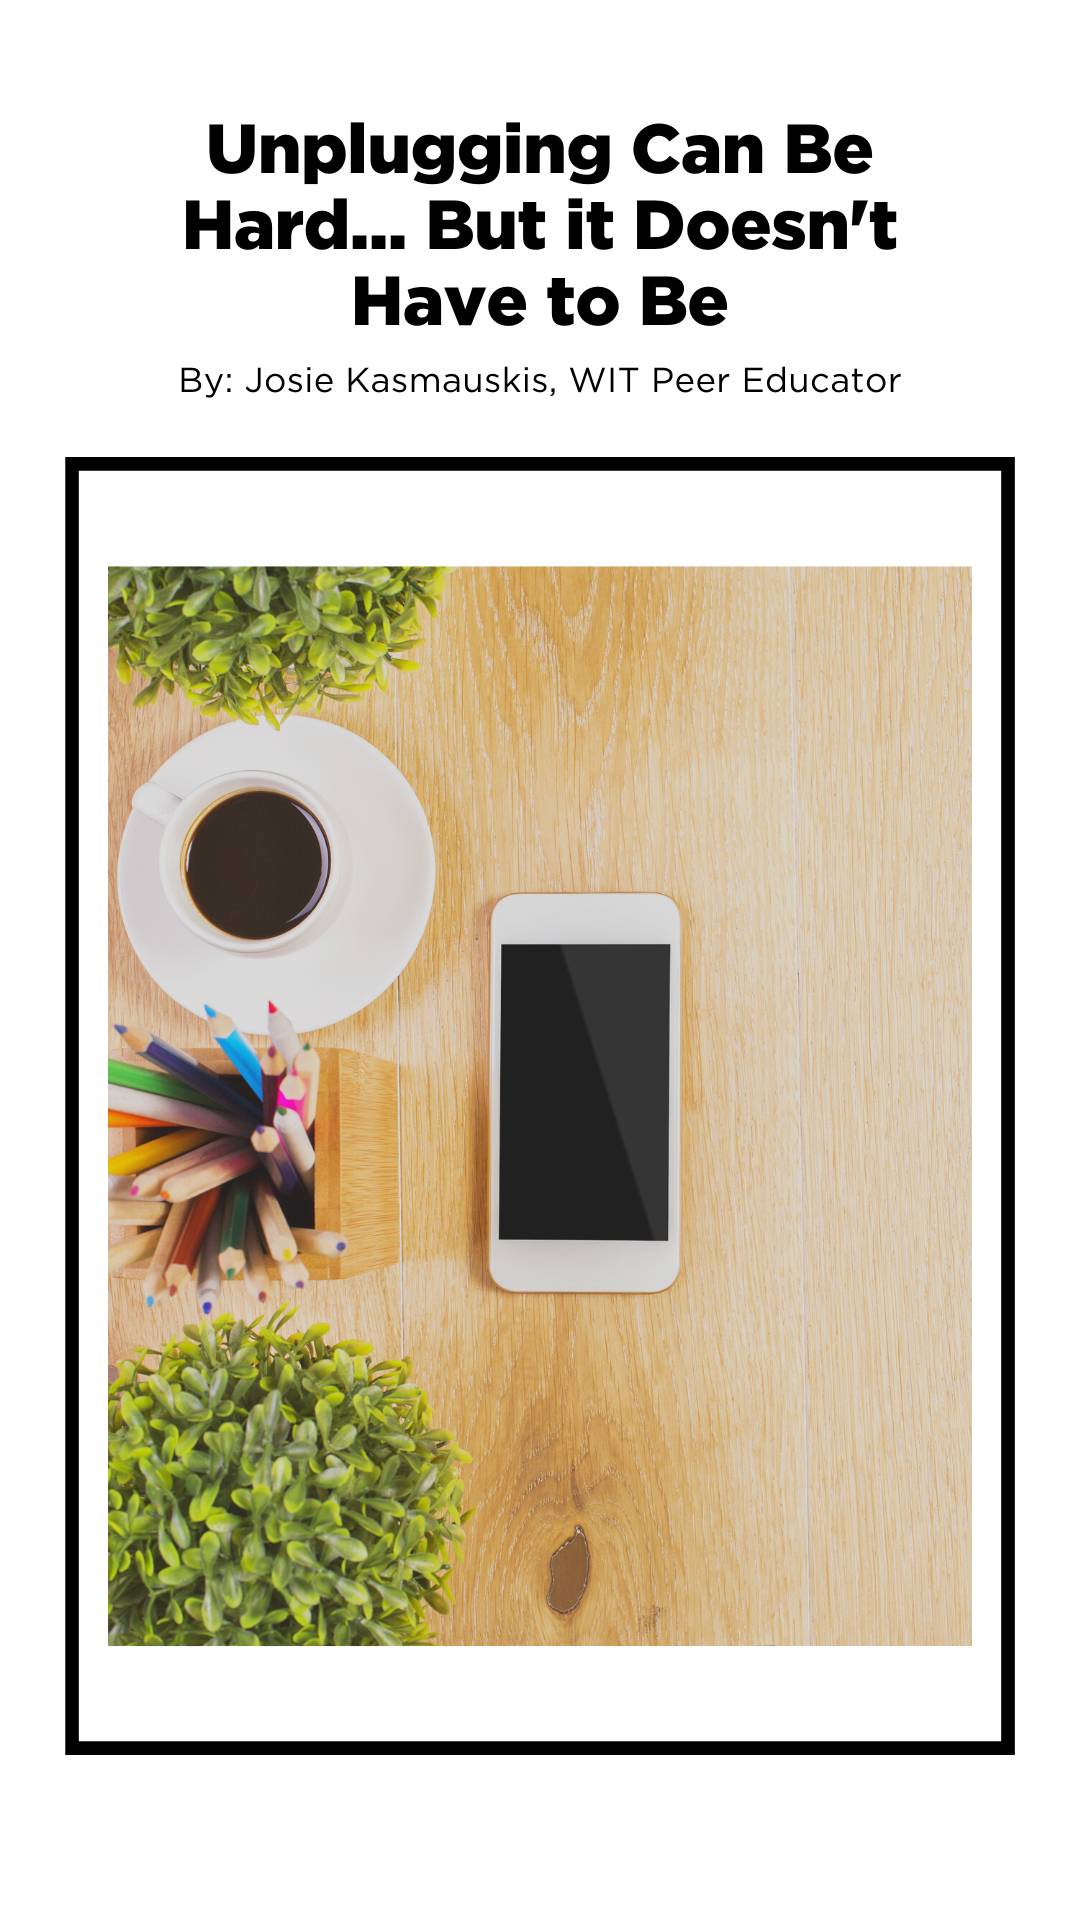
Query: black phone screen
[[583, 1092]]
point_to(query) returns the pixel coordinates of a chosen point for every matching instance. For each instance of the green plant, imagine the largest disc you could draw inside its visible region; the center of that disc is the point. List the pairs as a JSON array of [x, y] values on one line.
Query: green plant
[[251, 641], [268, 1488]]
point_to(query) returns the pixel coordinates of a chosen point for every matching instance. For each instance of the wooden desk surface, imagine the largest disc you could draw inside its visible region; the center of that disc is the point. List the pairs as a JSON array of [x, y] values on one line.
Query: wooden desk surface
[[776, 1450]]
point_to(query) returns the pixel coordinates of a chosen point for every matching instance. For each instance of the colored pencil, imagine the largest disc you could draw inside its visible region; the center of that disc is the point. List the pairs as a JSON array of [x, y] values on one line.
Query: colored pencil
[[133, 1251], [273, 1070], [137, 1213], [282, 1173], [265, 1140], [152, 1179], [165, 1147], [276, 1230], [294, 1275], [256, 1273], [155, 1109], [293, 1093], [233, 1228], [319, 1240], [307, 1067], [185, 1255], [156, 1280], [235, 1048], [125, 1073], [290, 1129], [212, 1173], [182, 1078], [184, 1067], [208, 1277], [282, 1033], [125, 1120], [285, 1275]]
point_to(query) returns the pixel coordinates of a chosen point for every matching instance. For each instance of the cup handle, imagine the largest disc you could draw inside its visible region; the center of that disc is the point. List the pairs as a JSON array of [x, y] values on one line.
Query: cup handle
[[156, 802]]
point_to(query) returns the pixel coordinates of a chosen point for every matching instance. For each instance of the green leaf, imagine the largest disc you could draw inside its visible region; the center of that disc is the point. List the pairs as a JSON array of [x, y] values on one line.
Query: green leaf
[[176, 1576], [249, 1512], [255, 1605], [179, 1528], [306, 608], [232, 1588]]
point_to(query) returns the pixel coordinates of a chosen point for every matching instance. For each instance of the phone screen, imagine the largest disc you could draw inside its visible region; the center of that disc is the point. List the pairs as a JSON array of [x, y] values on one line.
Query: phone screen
[[583, 1092]]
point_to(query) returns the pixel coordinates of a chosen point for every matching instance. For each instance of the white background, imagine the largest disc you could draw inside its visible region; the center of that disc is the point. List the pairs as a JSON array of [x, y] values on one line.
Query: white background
[[721, 1693], [971, 119]]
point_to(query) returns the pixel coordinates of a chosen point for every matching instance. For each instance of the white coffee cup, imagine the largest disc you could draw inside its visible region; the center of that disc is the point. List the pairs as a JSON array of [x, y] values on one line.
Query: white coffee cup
[[177, 815]]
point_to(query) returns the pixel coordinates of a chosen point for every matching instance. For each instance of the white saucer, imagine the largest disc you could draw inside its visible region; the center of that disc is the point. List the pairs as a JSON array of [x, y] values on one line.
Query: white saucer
[[382, 914]]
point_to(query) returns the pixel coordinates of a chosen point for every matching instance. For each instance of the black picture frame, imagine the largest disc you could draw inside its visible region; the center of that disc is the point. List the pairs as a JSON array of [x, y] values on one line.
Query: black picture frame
[[1004, 466]]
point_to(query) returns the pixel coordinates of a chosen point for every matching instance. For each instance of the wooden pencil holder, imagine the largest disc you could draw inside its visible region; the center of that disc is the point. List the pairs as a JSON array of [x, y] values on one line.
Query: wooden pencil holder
[[356, 1158]]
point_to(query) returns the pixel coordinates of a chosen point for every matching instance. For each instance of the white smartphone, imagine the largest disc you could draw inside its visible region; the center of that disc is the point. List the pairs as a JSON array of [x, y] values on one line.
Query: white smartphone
[[584, 1146]]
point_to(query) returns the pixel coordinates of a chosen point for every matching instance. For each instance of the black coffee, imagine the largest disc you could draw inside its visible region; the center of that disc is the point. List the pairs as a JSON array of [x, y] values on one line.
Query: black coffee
[[257, 863]]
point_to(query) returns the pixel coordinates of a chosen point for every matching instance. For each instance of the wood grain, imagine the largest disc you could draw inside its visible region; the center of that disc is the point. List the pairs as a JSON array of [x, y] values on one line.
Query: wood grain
[[883, 757], [620, 731], [775, 1450]]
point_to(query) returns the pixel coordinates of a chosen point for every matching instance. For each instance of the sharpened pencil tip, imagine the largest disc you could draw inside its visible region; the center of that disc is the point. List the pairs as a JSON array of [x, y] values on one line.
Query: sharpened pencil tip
[[119, 1028], [210, 1014], [149, 1299], [271, 1006], [206, 1306]]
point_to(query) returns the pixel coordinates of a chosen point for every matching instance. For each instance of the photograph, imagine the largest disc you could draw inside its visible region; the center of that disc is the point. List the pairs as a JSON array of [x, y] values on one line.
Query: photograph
[[539, 1105]]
